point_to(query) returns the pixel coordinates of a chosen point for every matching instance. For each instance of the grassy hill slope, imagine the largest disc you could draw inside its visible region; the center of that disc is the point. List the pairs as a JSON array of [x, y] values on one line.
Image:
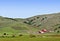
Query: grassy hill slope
[[51, 22]]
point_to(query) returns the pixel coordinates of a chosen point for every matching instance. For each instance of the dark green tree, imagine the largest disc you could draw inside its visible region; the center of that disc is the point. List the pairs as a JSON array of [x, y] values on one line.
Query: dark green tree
[[5, 34], [58, 31], [59, 27]]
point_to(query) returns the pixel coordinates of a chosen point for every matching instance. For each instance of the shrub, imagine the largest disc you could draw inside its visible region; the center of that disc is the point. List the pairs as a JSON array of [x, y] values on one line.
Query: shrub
[[31, 35], [42, 19], [59, 27], [55, 29], [20, 35], [31, 20], [13, 35], [2, 36], [37, 17], [25, 22], [58, 31], [4, 33]]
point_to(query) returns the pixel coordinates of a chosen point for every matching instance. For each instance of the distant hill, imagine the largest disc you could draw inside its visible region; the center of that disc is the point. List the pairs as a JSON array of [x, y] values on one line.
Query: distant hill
[[14, 25], [50, 22]]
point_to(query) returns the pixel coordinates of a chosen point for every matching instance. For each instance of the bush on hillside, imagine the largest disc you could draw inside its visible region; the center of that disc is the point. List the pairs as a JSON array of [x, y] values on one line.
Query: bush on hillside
[[37, 17], [59, 27], [58, 31], [20, 34], [4, 34], [31, 35], [13, 35]]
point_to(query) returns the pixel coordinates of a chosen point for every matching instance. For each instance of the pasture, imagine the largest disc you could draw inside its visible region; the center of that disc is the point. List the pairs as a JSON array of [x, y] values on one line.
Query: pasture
[[31, 38]]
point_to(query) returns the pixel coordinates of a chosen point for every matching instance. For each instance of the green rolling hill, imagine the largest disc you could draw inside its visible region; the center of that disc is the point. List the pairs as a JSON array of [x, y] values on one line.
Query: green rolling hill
[[51, 22]]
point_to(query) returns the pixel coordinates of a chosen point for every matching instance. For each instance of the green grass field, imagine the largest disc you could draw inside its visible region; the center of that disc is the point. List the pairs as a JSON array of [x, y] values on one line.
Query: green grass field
[[28, 38]]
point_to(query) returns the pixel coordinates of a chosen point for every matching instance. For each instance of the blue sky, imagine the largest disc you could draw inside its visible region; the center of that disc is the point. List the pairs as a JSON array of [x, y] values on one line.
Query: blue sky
[[28, 8]]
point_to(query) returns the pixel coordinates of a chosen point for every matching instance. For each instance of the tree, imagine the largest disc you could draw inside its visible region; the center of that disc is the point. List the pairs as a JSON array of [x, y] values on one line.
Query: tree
[[42, 19], [25, 22], [59, 27], [37, 17], [13, 35], [55, 29], [4, 33], [20, 34], [58, 31], [45, 17], [31, 35]]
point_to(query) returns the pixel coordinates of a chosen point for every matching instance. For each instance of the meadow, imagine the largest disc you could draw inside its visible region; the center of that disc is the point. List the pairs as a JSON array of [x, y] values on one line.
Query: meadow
[[10, 28], [31, 38]]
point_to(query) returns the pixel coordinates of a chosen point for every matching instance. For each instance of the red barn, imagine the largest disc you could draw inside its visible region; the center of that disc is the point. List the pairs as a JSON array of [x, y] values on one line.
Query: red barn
[[43, 31]]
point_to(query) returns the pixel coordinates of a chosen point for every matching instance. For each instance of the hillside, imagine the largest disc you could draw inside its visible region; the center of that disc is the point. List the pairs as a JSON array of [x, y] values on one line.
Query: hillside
[[50, 22], [14, 25]]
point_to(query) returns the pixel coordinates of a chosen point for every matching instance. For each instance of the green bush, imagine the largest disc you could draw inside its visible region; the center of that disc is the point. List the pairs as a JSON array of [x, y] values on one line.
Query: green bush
[[37, 17], [2, 36], [59, 27], [20, 34], [5, 34], [13, 35], [58, 31], [31, 35]]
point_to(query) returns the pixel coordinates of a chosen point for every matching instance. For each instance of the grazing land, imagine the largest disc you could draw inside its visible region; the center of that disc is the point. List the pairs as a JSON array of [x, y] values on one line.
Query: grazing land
[[36, 28], [28, 38]]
